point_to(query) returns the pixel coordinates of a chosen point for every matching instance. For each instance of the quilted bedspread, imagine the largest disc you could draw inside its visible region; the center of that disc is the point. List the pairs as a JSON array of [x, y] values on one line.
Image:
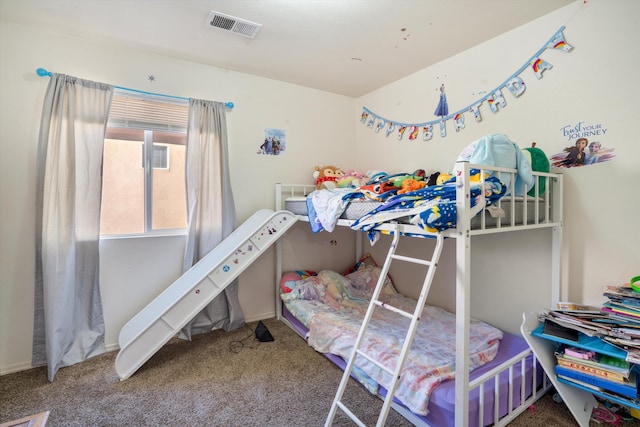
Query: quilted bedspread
[[432, 356]]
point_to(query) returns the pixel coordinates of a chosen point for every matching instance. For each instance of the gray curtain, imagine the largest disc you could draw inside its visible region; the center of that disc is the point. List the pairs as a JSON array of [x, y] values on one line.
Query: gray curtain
[[68, 319], [211, 211]]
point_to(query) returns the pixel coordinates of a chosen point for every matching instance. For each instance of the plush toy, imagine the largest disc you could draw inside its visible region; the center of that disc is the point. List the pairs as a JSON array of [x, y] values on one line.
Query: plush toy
[[432, 179], [418, 175], [380, 187], [327, 176], [411, 184], [351, 179], [442, 178]]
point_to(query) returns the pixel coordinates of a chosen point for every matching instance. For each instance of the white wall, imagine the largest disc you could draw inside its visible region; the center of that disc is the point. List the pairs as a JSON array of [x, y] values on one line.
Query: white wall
[[134, 270], [594, 83]]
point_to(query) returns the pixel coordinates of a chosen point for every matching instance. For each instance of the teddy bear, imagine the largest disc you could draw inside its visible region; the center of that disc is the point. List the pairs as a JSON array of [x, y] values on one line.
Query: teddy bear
[[327, 177]]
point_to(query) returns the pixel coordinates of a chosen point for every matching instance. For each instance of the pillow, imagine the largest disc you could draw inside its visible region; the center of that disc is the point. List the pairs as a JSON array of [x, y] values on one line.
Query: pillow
[[290, 277], [365, 260], [303, 289], [363, 282], [332, 288]]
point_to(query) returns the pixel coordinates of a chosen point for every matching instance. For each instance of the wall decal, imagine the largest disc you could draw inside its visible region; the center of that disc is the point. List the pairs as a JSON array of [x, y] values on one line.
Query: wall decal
[[495, 99], [587, 148], [274, 142]]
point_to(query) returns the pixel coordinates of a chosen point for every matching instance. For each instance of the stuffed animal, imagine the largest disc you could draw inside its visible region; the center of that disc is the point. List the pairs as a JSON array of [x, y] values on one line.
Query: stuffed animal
[[442, 178], [411, 184], [351, 179], [327, 177], [380, 188], [418, 175], [432, 179]]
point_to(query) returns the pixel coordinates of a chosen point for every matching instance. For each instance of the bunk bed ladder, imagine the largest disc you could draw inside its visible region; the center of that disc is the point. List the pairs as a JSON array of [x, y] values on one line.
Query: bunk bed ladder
[[415, 319]]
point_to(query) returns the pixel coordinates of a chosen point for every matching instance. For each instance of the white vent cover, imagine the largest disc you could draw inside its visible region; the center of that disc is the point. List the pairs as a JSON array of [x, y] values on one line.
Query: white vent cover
[[234, 25]]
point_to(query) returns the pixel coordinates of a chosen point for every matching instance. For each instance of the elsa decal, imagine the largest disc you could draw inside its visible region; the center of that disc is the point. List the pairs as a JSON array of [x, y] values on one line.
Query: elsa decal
[[443, 108]]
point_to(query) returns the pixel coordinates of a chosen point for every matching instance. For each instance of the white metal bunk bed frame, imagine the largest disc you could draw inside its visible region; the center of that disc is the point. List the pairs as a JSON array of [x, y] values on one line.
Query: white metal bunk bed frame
[[551, 201]]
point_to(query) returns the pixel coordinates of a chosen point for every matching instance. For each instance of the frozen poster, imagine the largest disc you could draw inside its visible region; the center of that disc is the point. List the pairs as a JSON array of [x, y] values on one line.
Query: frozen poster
[[274, 142], [588, 146]]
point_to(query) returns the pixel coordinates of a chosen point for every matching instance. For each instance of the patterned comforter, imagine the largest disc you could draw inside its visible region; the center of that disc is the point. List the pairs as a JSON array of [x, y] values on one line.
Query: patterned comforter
[[433, 208], [430, 361]]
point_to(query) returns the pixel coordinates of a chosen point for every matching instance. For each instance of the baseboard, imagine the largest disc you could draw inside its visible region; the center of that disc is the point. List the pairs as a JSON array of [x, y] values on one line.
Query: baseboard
[[257, 317], [17, 367], [24, 366]]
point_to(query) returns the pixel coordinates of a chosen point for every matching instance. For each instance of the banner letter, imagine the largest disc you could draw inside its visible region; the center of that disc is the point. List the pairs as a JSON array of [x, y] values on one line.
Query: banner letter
[[390, 128], [427, 132], [413, 133], [516, 86], [496, 99], [539, 66], [458, 122], [475, 109], [559, 42]]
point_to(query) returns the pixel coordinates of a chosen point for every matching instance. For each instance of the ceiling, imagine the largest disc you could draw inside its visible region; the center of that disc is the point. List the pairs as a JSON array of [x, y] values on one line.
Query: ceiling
[[348, 47]]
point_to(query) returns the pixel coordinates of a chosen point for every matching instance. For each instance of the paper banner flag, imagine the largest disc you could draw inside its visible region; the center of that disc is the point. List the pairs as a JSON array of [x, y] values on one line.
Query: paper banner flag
[[514, 84]]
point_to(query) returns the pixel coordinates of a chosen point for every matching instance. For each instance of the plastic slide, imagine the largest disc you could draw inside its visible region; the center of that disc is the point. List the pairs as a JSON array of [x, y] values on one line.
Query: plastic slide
[[143, 335]]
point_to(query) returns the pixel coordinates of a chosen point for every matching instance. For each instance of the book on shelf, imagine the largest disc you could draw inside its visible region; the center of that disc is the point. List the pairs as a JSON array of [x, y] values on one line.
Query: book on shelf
[[591, 358], [593, 369], [628, 389], [625, 400], [554, 329], [578, 308]]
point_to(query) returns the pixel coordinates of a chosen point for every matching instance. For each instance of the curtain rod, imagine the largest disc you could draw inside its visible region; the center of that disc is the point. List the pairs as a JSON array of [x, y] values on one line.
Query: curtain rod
[[44, 73]]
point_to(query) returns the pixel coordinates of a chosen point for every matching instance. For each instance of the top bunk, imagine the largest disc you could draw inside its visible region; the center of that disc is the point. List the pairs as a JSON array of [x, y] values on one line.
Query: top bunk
[[477, 199]]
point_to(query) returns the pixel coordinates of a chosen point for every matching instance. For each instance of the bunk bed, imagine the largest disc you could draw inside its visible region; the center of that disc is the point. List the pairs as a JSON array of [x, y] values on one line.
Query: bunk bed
[[498, 391]]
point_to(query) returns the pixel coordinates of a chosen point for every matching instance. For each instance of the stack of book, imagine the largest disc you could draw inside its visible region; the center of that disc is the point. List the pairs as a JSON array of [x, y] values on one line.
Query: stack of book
[[600, 346], [624, 307], [596, 371], [617, 322]]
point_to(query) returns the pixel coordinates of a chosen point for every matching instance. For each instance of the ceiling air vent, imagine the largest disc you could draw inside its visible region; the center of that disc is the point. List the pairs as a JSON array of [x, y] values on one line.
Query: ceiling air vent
[[234, 25]]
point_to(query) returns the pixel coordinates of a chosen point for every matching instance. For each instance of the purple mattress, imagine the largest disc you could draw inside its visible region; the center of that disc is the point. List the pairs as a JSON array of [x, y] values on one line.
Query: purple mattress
[[442, 400]]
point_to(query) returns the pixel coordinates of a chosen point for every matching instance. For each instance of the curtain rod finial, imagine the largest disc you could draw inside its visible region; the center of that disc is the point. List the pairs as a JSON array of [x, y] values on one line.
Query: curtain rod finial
[[43, 73], [229, 105]]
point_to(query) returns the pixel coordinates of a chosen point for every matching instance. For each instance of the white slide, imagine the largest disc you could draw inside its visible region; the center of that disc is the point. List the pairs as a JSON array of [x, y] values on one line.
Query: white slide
[[150, 329]]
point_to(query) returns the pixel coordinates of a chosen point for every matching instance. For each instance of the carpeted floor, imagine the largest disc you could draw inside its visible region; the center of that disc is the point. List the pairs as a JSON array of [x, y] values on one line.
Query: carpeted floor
[[218, 379]]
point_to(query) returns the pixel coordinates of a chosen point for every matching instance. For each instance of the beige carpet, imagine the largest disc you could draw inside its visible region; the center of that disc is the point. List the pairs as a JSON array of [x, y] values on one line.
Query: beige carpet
[[218, 379]]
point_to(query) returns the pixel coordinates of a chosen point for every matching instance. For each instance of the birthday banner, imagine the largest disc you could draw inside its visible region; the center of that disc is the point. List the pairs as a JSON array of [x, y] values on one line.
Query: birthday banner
[[495, 98]]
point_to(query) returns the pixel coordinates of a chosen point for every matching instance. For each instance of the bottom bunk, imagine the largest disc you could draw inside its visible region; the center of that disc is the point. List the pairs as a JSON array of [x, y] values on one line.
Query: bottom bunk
[[327, 308]]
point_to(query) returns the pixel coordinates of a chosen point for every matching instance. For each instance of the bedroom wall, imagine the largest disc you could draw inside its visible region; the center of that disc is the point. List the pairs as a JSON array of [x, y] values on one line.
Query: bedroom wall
[[134, 271], [594, 83]]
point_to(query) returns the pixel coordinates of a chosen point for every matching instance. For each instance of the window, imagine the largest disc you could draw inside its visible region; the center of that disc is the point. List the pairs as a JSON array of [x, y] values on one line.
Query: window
[[143, 184], [160, 156]]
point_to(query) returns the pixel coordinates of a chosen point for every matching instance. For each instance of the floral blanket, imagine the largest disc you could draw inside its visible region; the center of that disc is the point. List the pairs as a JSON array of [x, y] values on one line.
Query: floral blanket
[[333, 328]]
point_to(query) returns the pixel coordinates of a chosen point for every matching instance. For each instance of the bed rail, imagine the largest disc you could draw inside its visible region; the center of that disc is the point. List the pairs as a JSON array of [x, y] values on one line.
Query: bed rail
[[519, 399], [541, 208]]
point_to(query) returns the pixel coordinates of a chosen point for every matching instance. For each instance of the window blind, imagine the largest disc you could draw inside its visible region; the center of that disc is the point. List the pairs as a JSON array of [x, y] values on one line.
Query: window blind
[[149, 112]]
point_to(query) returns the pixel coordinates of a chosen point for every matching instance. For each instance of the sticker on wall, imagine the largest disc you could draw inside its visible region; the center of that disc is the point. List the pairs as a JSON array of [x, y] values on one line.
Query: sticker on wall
[[274, 142], [587, 148], [494, 99]]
